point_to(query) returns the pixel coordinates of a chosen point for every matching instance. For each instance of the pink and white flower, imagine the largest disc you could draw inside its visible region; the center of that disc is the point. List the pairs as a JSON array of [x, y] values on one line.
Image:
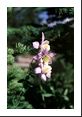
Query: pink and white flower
[[43, 58]]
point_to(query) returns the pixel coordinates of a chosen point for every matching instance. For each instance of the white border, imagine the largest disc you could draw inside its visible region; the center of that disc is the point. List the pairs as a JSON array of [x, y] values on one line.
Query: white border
[[3, 57]]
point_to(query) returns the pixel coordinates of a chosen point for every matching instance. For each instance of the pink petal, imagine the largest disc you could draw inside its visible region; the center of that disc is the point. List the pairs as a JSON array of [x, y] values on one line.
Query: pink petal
[[36, 44], [35, 58], [37, 70], [51, 54], [43, 77]]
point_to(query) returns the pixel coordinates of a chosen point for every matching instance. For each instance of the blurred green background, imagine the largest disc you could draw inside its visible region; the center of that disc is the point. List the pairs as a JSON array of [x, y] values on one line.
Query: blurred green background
[[25, 90]]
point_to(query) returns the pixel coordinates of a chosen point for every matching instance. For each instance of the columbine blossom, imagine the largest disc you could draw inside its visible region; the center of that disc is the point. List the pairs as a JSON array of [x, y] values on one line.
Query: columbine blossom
[[36, 45], [43, 58]]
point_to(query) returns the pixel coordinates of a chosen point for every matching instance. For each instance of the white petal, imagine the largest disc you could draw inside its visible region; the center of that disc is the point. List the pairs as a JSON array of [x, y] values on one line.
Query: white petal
[[46, 63], [36, 44], [48, 75], [45, 47], [43, 77], [37, 70], [41, 65], [43, 37], [41, 61], [46, 42], [46, 69]]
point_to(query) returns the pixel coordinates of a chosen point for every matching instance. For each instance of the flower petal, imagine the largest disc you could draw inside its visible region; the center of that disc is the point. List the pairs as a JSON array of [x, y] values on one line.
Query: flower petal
[[41, 65], [48, 74], [45, 47], [36, 44], [37, 70], [43, 77], [35, 58], [43, 37], [46, 42], [51, 54], [41, 61], [46, 69], [46, 58]]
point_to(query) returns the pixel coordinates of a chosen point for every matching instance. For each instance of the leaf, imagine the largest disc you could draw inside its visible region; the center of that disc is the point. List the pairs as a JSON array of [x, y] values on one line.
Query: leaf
[[47, 95], [66, 98], [65, 92], [52, 89]]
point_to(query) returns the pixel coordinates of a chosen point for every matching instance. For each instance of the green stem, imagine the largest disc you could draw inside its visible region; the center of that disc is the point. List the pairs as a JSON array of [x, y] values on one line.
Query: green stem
[[43, 98]]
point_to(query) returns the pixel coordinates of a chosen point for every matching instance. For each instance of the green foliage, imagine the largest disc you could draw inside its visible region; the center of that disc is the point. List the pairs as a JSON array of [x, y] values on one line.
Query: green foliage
[[10, 51], [23, 49], [15, 89], [18, 104], [20, 48], [25, 35], [10, 58], [69, 11], [15, 72]]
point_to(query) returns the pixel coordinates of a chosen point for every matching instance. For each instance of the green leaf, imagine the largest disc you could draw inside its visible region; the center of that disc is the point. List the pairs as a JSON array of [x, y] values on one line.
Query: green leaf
[[65, 92], [47, 95], [52, 89], [66, 98]]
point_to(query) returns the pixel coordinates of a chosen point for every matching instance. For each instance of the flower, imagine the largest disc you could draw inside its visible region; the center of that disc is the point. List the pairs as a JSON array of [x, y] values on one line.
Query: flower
[[46, 72], [45, 45], [36, 44], [46, 58], [43, 58], [46, 69]]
